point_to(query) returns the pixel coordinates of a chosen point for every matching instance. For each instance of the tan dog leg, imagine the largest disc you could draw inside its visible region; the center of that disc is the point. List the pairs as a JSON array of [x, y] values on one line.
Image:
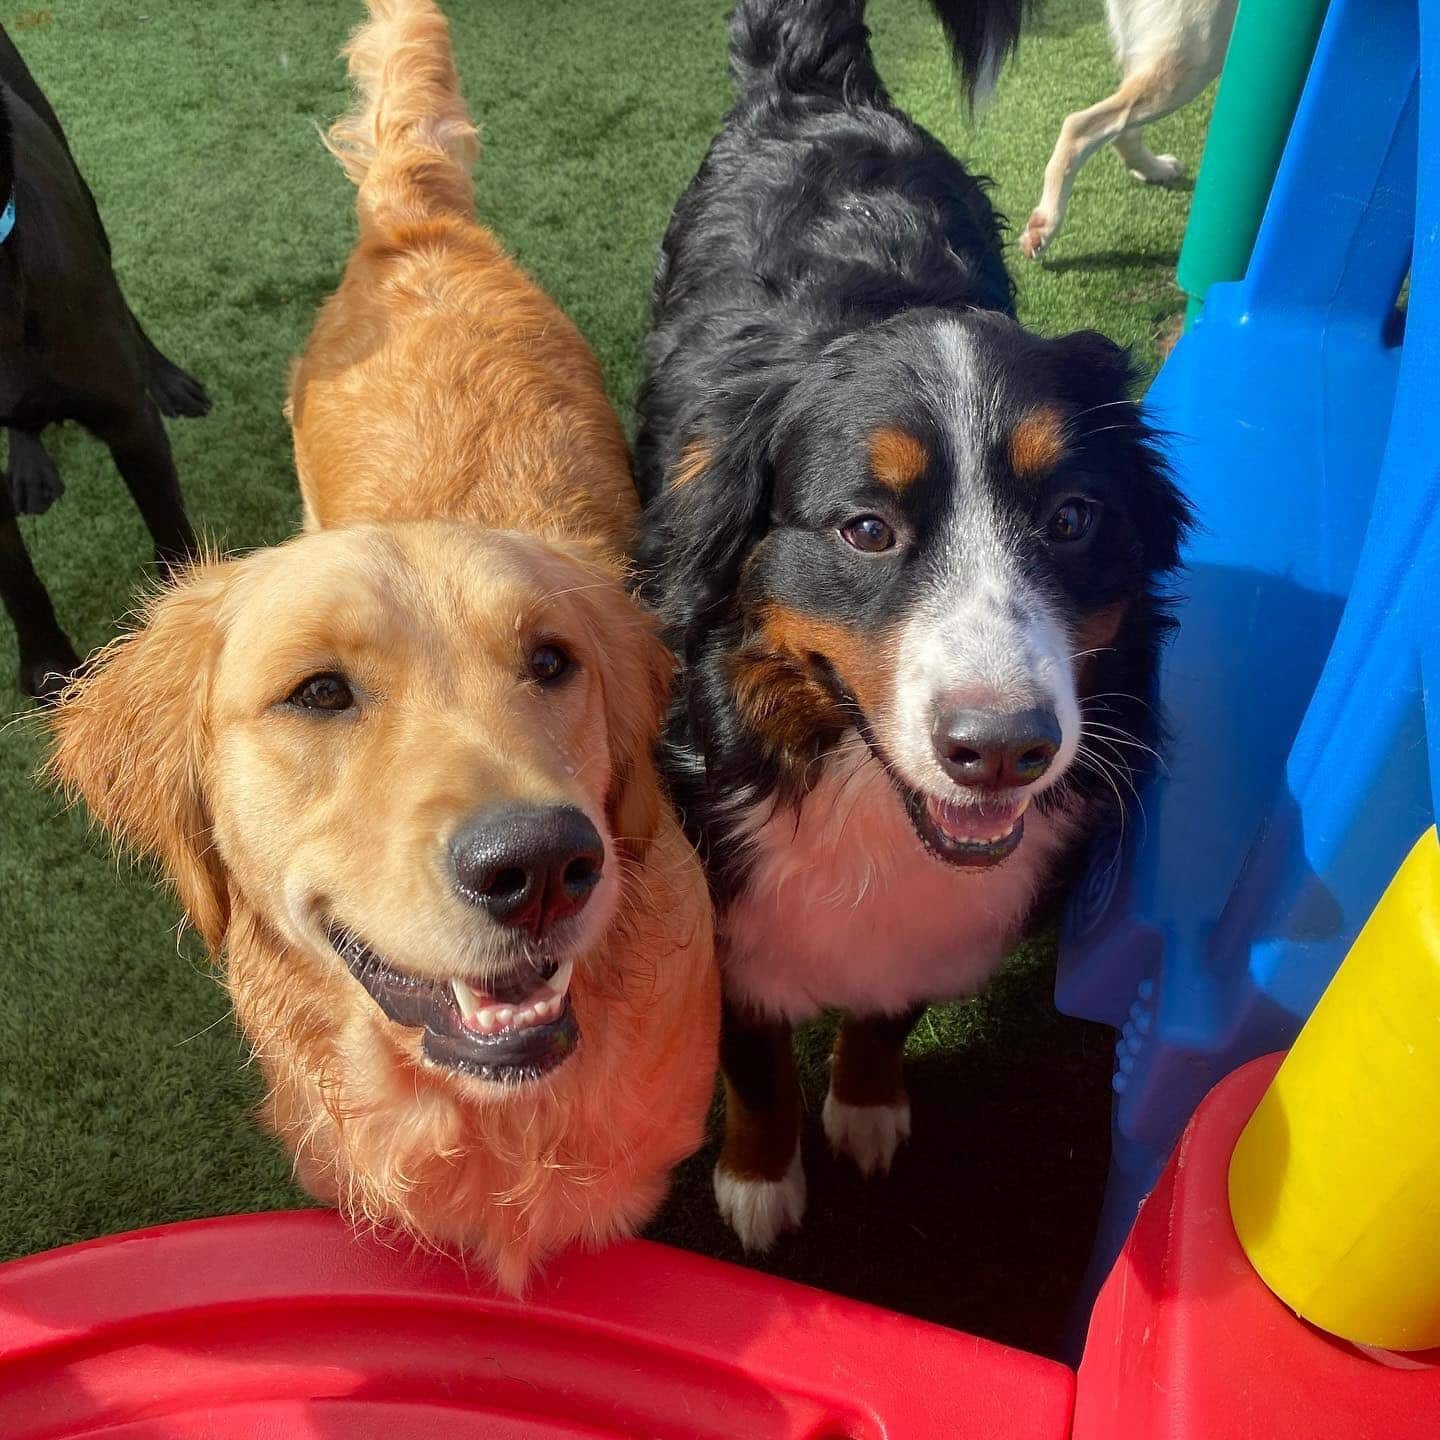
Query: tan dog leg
[[867, 1112], [1145, 95], [1142, 163]]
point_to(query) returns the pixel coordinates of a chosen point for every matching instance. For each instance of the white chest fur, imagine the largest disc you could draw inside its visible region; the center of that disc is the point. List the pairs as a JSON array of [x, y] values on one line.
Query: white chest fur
[[844, 907]]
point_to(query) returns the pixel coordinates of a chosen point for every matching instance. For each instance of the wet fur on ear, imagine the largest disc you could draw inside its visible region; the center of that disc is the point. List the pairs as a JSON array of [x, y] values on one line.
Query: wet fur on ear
[[635, 681], [132, 739], [634, 672]]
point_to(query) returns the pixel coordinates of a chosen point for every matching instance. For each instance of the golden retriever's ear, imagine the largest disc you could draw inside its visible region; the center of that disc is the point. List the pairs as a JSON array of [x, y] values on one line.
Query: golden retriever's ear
[[636, 682], [132, 739]]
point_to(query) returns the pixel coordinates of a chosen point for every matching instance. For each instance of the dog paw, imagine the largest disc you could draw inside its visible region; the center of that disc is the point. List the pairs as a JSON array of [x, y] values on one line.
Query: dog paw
[[758, 1211], [176, 393], [1165, 170], [35, 483], [1037, 234], [869, 1134]]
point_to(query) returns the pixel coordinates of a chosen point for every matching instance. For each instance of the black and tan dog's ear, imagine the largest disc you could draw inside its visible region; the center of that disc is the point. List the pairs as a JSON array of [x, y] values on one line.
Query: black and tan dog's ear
[[713, 508], [132, 740], [1100, 378]]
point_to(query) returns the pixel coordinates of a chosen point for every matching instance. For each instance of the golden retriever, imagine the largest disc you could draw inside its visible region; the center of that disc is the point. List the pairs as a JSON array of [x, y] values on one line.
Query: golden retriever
[[399, 769]]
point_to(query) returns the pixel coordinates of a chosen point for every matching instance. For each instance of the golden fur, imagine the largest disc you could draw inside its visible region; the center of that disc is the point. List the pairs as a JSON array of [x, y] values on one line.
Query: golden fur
[[441, 393]]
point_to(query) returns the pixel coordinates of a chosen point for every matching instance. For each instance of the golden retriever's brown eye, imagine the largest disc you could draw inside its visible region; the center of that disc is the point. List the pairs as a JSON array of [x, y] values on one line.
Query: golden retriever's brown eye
[[549, 663], [868, 534], [322, 692], [1070, 522]]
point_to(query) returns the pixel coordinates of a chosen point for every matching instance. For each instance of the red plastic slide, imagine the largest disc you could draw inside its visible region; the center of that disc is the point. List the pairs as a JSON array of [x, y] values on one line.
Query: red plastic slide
[[287, 1327], [1187, 1343]]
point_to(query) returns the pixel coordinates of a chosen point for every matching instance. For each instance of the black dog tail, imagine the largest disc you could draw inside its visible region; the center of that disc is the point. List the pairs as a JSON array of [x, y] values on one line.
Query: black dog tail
[[822, 47], [983, 35]]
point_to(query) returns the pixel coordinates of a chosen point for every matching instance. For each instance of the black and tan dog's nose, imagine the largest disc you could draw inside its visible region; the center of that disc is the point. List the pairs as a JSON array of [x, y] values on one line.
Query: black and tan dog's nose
[[529, 867], [994, 749]]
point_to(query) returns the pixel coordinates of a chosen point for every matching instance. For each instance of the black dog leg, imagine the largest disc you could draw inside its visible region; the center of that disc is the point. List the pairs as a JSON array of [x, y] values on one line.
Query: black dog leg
[[141, 451], [46, 658], [34, 481]]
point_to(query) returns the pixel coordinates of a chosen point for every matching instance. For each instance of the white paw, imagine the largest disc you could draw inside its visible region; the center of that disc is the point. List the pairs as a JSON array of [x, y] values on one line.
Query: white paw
[[759, 1210], [1038, 231], [1166, 170], [869, 1134]]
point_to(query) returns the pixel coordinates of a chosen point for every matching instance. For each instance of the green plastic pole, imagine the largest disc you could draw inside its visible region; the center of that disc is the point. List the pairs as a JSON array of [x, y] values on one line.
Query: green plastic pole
[[1265, 68]]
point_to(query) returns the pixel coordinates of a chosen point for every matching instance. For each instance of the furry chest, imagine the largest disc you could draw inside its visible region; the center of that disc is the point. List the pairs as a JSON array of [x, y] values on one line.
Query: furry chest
[[844, 908]]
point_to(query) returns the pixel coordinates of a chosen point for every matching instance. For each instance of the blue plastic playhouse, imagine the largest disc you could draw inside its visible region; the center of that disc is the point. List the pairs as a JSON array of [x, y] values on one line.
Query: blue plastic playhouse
[[1305, 410]]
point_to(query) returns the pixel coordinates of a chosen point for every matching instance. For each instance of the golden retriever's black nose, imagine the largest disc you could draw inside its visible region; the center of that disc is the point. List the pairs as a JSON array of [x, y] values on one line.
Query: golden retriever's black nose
[[995, 750], [528, 866]]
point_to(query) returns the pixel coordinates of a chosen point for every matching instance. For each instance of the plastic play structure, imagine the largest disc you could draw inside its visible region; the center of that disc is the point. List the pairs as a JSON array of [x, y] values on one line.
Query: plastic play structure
[[1335, 1182], [1281, 1279], [1328, 1159], [290, 1326], [1302, 405], [1265, 67]]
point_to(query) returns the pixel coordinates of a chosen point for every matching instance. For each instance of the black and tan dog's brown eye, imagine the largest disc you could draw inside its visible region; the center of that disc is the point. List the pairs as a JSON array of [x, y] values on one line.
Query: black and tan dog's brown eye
[[549, 663], [322, 692], [1070, 522], [869, 534]]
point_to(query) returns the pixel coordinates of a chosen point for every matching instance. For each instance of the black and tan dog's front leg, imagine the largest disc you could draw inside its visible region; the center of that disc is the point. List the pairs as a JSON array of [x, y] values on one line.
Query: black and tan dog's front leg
[[867, 1112], [759, 1180]]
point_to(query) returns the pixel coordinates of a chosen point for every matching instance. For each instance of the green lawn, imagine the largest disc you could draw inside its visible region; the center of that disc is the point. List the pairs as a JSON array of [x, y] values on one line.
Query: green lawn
[[124, 1087]]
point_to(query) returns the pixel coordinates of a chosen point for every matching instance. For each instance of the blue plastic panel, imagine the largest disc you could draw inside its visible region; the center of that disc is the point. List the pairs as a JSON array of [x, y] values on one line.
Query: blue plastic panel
[[1303, 410]]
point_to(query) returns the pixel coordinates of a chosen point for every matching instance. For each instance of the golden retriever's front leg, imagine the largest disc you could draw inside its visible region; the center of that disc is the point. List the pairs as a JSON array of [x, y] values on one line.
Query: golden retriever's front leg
[[759, 1180], [867, 1112]]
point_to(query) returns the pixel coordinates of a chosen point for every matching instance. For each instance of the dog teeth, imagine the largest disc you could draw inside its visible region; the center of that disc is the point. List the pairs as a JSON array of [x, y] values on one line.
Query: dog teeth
[[559, 982], [490, 1019], [963, 822], [467, 1000]]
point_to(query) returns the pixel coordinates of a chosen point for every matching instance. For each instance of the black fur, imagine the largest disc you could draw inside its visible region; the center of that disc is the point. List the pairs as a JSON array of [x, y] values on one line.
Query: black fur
[[797, 295], [70, 349]]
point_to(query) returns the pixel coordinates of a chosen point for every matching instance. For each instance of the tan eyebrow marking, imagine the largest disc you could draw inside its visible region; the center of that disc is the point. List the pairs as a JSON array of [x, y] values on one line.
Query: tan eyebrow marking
[[1038, 442], [897, 458]]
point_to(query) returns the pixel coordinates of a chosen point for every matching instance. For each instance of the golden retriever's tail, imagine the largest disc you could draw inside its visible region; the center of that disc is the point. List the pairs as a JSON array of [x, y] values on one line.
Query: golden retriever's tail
[[409, 143]]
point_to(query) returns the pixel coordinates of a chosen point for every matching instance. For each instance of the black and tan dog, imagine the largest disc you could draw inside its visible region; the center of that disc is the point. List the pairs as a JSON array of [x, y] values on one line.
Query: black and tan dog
[[70, 349], [910, 554]]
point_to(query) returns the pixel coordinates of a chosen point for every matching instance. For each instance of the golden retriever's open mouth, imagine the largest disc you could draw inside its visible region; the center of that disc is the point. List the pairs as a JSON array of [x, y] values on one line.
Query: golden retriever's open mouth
[[513, 1032]]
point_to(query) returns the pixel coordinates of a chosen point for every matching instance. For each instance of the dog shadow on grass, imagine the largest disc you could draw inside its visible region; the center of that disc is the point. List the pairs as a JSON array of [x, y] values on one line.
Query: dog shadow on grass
[[986, 1220], [1110, 260]]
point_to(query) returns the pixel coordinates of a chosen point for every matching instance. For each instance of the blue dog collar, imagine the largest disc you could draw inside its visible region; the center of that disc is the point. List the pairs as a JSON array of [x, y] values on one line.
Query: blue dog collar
[[7, 219]]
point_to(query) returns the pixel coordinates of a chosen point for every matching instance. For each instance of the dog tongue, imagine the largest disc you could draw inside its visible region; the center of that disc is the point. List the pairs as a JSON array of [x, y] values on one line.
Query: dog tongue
[[975, 824]]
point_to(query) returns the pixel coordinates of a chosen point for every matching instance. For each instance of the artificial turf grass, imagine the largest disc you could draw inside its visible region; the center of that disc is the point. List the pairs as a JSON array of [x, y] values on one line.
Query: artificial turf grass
[[124, 1088]]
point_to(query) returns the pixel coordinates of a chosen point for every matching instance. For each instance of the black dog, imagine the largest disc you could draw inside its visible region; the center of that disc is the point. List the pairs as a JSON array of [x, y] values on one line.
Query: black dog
[[70, 350], [910, 556]]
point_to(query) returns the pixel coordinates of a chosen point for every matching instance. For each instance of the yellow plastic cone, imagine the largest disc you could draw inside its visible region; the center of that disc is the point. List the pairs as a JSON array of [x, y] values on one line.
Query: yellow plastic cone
[[1335, 1181]]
